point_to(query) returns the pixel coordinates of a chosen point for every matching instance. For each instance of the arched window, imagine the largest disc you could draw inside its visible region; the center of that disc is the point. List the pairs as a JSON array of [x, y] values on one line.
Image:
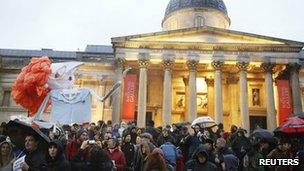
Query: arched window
[[199, 21]]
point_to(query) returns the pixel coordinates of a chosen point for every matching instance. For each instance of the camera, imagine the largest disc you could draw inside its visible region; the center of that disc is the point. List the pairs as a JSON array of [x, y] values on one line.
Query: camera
[[92, 142]]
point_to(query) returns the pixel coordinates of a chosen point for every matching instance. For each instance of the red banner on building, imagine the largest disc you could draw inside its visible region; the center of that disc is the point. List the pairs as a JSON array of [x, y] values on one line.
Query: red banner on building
[[129, 98], [285, 100]]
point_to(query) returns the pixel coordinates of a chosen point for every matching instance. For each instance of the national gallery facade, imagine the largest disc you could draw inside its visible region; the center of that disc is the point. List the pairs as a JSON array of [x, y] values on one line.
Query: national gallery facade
[[195, 67]]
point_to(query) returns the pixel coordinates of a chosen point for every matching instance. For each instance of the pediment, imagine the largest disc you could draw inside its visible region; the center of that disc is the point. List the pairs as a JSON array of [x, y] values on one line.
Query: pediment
[[207, 35]]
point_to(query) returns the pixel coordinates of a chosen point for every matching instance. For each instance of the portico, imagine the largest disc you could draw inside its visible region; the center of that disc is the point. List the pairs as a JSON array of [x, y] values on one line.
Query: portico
[[236, 68]]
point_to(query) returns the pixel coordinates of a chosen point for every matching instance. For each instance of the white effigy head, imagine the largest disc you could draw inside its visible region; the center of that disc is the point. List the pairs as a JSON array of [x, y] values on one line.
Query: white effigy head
[[62, 76]]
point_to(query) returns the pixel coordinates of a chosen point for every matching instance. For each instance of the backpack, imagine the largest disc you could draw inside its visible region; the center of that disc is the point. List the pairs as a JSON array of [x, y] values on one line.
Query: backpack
[[170, 152]]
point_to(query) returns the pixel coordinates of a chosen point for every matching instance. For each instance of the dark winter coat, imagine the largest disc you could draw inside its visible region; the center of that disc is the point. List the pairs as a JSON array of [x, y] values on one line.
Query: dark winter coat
[[59, 163], [129, 150], [36, 160], [195, 165]]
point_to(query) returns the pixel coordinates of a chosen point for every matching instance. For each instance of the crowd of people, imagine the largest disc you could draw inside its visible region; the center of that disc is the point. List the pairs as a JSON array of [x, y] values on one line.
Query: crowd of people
[[124, 147]]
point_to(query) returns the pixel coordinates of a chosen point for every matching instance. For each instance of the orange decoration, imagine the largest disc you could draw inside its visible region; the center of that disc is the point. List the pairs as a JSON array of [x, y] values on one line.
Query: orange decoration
[[29, 88]]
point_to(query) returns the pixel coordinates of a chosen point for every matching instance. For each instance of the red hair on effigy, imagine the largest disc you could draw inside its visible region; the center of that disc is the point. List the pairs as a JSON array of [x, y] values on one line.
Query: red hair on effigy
[[29, 89]]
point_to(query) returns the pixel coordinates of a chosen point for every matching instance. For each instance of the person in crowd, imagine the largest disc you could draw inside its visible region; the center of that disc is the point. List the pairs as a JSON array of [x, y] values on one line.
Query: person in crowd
[[96, 161], [116, 155], [6, 156], [232, 135], [209, 145], [221, 150], [259, 151], [109, 124], [35, 157], [142, 152], [170, 153], [133, 133], [129, 150], [115, 132], [199, 161], [241, 145], [231, 163], [74, 145], [152, 130], [105, 140], [281, 152], [122, 128], [220, 129], [165, 137], [189, 143], [55, 158], [156, 162]]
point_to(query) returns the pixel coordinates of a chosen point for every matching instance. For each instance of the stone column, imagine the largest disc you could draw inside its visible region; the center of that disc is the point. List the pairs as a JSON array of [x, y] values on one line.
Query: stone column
[[233, 88], [117, 97], [271, 112], [192, 102], [210, 96], [295, 87], [245, 123], [218, 97], [142, 91], [167, 94]]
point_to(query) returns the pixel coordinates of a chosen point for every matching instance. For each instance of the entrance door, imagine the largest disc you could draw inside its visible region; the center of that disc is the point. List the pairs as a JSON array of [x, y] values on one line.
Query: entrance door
[[258, 120], [148, 116]]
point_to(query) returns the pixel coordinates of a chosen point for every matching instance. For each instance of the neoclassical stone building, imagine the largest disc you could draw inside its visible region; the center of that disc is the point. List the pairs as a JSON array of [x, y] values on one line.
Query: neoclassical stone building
[[196, 66]]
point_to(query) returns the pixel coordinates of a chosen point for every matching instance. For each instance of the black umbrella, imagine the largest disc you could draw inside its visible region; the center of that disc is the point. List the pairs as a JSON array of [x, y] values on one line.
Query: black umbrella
[[262, 133], [299, 115], [17, 131]]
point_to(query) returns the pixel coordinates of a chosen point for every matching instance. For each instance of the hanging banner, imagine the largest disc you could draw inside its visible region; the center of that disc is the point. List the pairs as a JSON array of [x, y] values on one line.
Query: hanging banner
[[129, 97], [285, 100]]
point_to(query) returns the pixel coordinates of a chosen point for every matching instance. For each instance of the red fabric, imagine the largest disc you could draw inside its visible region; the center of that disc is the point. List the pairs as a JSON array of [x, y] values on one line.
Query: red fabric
[[119, 158], [72, 148], [29, 88], [180, 163], [285, 101], [129, 98], [292, 125]]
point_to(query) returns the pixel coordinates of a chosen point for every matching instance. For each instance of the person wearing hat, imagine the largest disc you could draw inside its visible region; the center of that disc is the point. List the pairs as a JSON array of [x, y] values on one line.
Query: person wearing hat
[[6, 155]]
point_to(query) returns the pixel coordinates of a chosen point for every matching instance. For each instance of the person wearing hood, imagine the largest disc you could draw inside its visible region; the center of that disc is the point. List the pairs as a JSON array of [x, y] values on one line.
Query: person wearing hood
[[231, 163], [55, 159], [199, 161], [6, 155]]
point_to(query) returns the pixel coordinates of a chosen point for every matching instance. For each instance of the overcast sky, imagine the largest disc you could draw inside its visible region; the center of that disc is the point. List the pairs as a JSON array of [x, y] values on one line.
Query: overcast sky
[[72, 24]]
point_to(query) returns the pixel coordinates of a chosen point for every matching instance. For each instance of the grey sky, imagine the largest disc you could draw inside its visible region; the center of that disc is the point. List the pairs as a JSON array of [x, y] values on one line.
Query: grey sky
[[72, 24]]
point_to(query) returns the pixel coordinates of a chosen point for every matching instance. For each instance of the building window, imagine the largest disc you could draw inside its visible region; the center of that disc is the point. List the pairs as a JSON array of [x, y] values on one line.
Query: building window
[[6, 98], [256, 97], [199, 21]]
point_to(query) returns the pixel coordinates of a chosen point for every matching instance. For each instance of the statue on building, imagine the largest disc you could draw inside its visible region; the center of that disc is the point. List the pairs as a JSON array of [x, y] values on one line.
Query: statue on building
[[255, 97], [42, 83]]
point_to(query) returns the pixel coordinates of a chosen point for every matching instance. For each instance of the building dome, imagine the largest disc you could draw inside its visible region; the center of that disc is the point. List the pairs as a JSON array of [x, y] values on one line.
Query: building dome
[[195, 13], [175, 5]]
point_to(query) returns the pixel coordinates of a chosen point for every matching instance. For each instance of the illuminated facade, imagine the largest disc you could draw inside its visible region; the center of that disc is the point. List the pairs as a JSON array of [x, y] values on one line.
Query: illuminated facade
[[196, 66]]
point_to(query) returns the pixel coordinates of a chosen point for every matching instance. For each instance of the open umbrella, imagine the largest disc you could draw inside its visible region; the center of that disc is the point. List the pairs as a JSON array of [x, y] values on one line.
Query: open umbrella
[[17, 131], [204, 122], [299, 115], [291, 125], [262, 133]]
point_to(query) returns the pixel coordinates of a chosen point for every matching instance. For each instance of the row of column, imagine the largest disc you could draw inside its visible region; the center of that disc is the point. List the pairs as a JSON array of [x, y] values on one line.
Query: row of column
[[218, 99]]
